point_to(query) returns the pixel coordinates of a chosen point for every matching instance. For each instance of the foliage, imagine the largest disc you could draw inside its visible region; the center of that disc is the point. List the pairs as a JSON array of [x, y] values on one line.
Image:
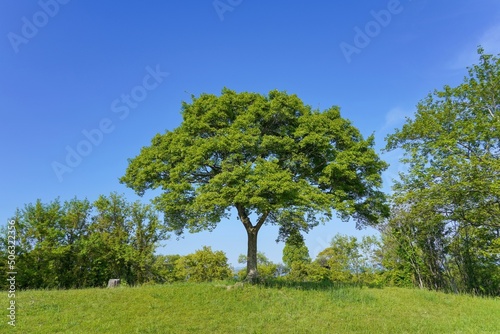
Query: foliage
[[397, 262], [270, 157], [164, 269], [267, 269], [295, 250], [446, 211], [307, 272], [204, 265], [262, 259], [81, 244], [351, 261]]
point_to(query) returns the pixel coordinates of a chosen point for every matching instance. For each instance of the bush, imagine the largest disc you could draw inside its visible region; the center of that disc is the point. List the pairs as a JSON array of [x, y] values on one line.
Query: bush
[[164, 268], [204, 265], [266, 272], [266, 268], [307, 272]]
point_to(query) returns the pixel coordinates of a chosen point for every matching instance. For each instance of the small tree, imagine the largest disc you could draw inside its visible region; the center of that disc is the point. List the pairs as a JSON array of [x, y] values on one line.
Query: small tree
[[351, 260], [341, 258], [295, 250]]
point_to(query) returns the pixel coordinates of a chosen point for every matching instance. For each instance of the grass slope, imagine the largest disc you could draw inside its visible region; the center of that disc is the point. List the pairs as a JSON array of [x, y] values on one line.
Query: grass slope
[[215, 308]]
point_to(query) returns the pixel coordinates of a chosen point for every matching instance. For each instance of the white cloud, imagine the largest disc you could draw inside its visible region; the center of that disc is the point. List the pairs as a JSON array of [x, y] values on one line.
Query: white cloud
[[490, 41], [395, 118]]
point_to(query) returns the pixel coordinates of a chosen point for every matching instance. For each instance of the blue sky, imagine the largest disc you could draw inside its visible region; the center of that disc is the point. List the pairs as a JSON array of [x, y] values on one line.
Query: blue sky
[[69, 67]]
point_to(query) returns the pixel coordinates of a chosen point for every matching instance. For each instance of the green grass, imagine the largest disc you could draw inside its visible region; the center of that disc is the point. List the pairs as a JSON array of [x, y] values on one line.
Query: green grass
[[214, 308]]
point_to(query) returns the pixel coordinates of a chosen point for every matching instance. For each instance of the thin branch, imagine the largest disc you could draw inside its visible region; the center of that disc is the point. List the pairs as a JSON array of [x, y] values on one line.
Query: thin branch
[[261, 220]]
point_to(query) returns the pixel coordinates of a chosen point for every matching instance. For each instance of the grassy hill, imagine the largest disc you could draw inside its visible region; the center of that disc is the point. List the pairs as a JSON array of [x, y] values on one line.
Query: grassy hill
[[220, 308]]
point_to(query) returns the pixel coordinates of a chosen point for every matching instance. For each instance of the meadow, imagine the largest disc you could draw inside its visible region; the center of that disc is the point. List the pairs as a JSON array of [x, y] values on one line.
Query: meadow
[[224, 307]]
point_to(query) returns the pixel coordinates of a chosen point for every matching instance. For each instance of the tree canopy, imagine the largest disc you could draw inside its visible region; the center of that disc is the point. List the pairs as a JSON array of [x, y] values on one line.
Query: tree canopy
[[271, 158], [446, 215]]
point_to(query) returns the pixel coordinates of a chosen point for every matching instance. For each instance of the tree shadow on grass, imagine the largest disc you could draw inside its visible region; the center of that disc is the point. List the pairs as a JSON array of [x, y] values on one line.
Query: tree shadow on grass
[[322, 285]]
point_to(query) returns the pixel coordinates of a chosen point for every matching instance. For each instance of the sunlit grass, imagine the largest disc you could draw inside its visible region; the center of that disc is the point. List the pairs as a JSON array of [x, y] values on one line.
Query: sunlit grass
[[217, 308]]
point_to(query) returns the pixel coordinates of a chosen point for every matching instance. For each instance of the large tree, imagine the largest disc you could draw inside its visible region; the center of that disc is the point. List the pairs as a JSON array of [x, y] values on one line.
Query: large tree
[[447, 206], [271, 158]]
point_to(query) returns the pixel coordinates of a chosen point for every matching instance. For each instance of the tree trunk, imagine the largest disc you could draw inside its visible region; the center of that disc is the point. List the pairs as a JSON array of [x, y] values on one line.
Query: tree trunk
[[252, 230], [252, 274]]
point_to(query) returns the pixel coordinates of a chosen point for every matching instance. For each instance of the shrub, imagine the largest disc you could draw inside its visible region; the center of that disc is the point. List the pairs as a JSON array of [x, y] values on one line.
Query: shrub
[[307, 272], [204, 265]]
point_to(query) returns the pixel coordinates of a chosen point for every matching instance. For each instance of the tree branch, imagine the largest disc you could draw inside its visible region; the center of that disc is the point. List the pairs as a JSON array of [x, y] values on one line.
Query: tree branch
[[244, 217], [261, 220]]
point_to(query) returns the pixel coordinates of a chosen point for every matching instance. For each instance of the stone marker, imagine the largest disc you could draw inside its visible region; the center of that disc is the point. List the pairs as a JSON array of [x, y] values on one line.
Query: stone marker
[[113, 283]]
